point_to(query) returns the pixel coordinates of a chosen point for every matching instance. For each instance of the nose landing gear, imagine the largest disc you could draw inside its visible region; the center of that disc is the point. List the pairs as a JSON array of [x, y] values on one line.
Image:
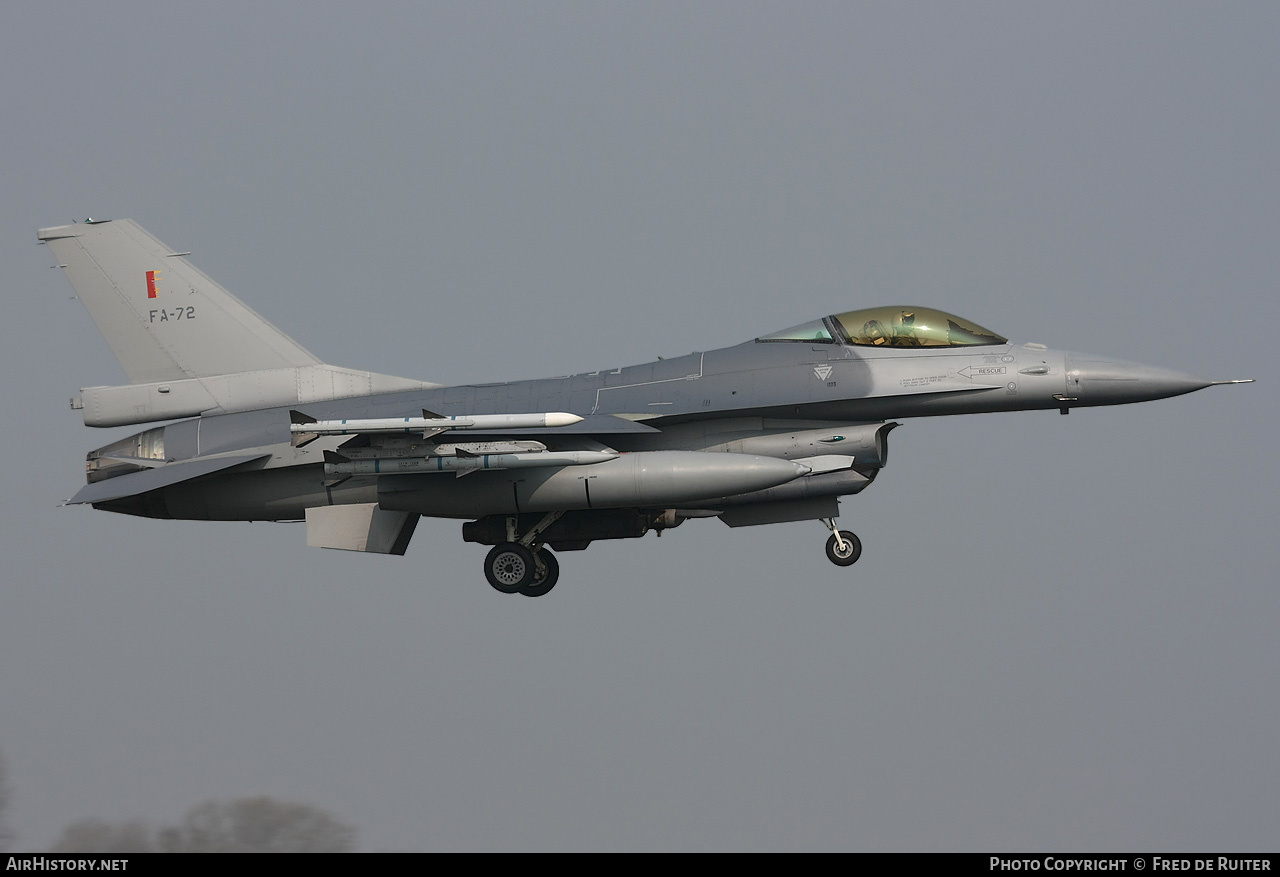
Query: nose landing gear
[[843, 547]]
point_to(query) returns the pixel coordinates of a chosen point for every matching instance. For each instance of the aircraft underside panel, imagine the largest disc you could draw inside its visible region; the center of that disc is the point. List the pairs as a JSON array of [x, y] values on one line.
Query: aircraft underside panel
[[753, 514], [576, 529]]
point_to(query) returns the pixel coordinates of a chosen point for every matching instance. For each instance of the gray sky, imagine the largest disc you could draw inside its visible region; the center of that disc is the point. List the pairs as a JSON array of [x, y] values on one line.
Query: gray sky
[[1062, 633]]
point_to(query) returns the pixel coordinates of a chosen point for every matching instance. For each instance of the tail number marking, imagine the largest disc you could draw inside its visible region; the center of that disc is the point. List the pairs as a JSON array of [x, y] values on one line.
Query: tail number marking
[[164, 316]]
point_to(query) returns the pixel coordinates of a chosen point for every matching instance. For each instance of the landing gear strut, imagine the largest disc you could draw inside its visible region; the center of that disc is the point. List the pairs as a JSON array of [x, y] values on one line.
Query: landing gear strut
[[546, 577], [843, 547], [521, 565]]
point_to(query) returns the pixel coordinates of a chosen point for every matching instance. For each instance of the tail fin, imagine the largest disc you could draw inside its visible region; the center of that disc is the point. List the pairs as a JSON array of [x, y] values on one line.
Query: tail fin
[[189, 346], [162, 317]]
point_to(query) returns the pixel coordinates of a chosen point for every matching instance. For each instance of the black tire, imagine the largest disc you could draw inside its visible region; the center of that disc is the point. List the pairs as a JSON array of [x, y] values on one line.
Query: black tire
[[548, 581], [510, 567], [852, 549]]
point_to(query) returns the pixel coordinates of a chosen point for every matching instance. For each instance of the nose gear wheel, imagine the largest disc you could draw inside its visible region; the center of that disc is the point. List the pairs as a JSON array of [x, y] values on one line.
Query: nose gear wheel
[[843, 547], [846, 551]]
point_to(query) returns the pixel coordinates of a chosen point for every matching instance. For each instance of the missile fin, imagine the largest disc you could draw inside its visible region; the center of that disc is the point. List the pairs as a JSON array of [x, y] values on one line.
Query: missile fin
[[300, 439]]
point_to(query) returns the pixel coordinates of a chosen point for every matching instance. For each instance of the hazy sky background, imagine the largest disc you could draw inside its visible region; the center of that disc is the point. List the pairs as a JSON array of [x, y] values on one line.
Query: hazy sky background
[[1062, 633]]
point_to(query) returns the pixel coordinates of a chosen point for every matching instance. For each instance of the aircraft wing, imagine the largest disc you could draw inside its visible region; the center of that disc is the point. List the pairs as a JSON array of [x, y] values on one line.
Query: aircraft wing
[[135, 483]]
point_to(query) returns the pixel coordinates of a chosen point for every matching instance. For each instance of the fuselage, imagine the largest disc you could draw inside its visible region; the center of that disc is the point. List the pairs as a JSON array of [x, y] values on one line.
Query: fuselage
[[720, 400]]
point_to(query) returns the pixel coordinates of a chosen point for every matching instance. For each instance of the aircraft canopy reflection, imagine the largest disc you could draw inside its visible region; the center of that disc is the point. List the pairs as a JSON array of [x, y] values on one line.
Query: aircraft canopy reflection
[[891, 326]]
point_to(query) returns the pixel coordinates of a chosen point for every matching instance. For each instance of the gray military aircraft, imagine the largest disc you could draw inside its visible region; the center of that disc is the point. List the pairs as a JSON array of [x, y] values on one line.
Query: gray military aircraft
[[771, 430]]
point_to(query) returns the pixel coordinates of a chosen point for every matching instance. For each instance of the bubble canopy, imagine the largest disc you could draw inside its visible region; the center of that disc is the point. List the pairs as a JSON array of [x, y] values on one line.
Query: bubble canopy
[[891, 326]]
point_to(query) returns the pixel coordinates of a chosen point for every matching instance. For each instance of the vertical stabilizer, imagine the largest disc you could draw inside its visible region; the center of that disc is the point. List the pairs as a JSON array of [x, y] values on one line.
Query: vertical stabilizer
[[162, 317]]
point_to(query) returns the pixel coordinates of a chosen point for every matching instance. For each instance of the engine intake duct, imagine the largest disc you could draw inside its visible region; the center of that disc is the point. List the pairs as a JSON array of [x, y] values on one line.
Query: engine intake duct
[[867, 443]]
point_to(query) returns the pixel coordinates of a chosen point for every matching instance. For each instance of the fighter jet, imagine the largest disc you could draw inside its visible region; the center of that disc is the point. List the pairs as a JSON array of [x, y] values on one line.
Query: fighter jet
[[775, 429]]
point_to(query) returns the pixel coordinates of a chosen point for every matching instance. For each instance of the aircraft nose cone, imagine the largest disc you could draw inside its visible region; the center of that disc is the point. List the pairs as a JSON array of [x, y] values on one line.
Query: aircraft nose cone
[[1100, 381]]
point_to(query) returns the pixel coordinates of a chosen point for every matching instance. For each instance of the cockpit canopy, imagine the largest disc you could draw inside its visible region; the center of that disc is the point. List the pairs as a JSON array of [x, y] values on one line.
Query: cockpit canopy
[[892, 326]]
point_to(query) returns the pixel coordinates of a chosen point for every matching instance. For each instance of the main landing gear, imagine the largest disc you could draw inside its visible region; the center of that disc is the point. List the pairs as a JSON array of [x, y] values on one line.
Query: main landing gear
[[513, 569], [843, 547], [521, 565]]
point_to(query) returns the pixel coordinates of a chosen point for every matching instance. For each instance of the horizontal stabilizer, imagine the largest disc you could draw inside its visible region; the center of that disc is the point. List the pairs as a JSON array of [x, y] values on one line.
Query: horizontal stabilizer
[[360, 527], [152, 479]]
